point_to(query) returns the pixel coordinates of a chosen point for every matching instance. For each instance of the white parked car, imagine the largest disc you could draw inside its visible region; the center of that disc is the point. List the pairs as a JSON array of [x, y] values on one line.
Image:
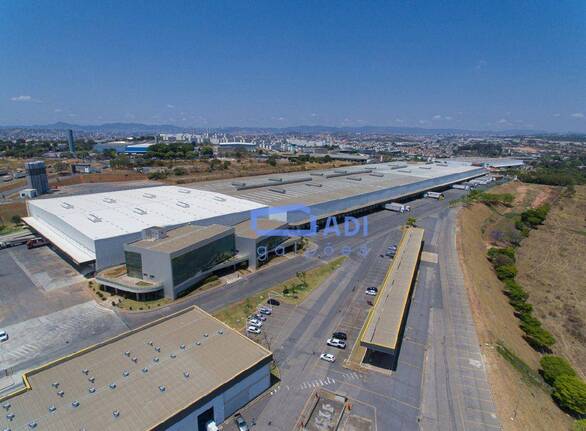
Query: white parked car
[[256, 323], [328, 357], [258, 316], [334, 342], [3, 336], [371, 292], [265, 310], [253, 330]]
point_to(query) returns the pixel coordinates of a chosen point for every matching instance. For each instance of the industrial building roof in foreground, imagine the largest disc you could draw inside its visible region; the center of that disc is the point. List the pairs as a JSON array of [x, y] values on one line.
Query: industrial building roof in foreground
[[383, 326], [105, 215], [136, 380]]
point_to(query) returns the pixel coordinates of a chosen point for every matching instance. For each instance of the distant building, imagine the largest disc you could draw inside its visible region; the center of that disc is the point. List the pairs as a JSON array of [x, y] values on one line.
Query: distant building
[[36, 176], [178, 137], [81, 168], [70, 141], [230, 147], [138, 148]]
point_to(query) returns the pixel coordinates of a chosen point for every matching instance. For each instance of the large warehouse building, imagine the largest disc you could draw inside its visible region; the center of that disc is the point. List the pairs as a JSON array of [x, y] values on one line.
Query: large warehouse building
[[187, 371], [96, 227]]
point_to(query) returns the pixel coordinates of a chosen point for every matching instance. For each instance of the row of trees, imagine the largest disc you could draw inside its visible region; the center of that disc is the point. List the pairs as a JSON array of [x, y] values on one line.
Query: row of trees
[[569, 390], [503, 261]]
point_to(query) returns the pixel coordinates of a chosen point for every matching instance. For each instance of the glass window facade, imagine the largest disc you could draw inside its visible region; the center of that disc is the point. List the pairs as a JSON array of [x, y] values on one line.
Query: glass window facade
[[133, 264], [202, 259], [271, 242]]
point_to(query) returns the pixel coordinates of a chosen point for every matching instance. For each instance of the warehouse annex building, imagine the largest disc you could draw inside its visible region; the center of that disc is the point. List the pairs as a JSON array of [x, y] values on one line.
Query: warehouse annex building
[[187, 371]]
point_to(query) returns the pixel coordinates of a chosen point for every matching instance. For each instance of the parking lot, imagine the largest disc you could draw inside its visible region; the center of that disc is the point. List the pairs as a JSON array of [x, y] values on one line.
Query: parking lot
[[396, 399], [46, 309]]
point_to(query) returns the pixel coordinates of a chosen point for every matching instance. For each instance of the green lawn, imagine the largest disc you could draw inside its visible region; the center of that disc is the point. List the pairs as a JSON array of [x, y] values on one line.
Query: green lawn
[[235, 315], [5, 230]]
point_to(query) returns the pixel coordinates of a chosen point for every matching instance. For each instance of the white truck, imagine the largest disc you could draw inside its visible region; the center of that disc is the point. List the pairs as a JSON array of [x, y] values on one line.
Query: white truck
[[397, 207], [461, 187], [434, 195]]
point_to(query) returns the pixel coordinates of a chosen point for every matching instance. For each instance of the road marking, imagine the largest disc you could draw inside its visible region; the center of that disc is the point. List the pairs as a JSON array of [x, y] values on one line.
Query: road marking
[[381, 395]]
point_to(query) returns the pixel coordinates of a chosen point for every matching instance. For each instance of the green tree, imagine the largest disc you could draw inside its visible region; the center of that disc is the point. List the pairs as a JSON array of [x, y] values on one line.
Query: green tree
[[15, 219], [272, 160], [554, 367], [412, 222], [206, 151], [179, 171], [579, 425], [505, 272], [570, 393]]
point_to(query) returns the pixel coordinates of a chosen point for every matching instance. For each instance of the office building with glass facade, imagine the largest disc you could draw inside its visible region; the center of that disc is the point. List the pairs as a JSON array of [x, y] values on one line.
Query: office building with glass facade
[[166, 262]]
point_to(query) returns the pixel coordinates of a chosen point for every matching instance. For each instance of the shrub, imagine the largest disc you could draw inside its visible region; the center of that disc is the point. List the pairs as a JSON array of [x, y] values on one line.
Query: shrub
[[528, 320], [505, 272], [515, 291], [554, 367], [579, 425], [538, 338], [521, 306], [493, 252], [570, 393]]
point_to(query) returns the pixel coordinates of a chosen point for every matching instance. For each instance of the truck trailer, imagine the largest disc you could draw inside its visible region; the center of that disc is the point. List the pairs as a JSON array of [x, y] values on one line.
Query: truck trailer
[[397, 207], [461, 187]]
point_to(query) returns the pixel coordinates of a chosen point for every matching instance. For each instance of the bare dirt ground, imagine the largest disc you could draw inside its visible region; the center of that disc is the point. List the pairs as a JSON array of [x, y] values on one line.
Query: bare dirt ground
[[552, 268], [520, 405], [199, 171]]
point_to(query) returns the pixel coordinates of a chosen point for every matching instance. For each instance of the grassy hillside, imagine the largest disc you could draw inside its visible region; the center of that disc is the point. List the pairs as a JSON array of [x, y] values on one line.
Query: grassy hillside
[[552, 266], [522, 401]]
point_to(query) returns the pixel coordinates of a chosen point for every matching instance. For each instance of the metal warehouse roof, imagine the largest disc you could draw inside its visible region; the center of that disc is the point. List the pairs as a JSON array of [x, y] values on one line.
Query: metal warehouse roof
[[333, 184], [105, 215], [383, 326], [135, 381]]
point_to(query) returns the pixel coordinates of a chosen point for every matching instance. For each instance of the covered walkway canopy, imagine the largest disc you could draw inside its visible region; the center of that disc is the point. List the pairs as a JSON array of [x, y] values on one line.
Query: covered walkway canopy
[[383, 326]]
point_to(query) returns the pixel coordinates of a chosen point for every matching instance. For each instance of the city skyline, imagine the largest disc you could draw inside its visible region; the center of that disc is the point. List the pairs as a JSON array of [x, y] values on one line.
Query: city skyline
[[454, 66]]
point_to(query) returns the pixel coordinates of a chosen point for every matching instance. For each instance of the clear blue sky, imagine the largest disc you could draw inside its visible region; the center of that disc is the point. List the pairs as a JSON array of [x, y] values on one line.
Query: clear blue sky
[[469, 64]]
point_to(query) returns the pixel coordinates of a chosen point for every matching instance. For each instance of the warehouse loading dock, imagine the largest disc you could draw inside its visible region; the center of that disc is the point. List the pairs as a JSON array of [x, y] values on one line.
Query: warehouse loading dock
[[383, 329]]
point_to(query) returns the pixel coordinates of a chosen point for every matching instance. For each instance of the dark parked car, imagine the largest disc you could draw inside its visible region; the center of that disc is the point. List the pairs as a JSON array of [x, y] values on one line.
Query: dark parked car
[[272, 301], [340, 335]]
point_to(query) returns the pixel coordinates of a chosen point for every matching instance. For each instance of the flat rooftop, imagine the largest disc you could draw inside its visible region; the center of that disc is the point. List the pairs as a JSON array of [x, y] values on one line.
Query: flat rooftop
[[383, 325], [147, 375], [182, 237], [245, 229], [105, 215], [320, 186]]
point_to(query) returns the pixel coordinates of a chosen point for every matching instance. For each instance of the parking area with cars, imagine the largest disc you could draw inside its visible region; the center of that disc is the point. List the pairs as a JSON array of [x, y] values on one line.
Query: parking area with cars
[[337, 310]]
